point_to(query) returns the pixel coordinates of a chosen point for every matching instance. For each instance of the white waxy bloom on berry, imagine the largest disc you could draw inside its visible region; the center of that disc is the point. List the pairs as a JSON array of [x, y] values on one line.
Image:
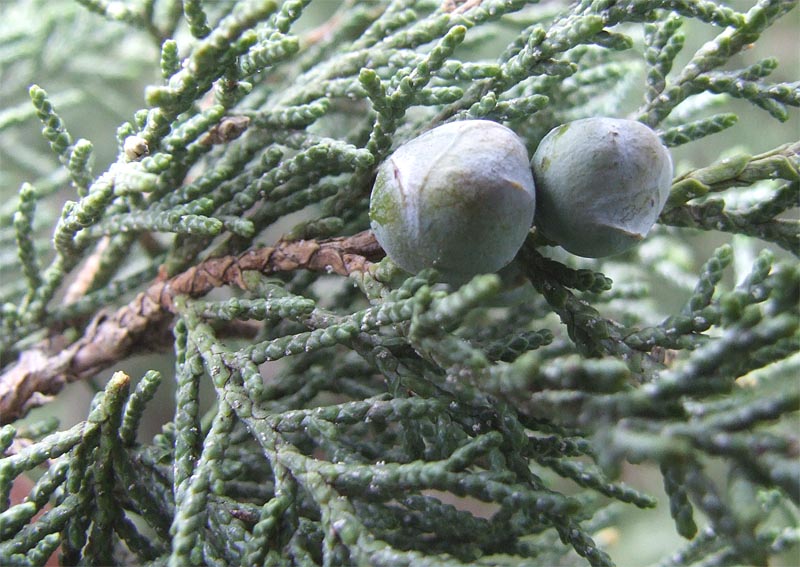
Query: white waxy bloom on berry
[[459, 198], [601, 184]]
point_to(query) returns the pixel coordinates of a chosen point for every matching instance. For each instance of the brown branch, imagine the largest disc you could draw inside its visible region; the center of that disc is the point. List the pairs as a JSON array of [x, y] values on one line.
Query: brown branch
[[460, 6], [86, 275], [144, 324]]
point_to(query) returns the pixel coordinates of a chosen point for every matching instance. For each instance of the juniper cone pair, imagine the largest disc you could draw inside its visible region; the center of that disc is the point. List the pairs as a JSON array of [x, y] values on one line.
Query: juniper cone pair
[[460, 198]]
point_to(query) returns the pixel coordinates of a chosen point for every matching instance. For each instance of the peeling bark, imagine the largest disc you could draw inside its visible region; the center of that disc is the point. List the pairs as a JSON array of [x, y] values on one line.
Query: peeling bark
[[144, 323]]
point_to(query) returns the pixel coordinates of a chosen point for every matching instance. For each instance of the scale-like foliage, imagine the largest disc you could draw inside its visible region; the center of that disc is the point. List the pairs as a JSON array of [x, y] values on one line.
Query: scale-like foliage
[[361, 415]]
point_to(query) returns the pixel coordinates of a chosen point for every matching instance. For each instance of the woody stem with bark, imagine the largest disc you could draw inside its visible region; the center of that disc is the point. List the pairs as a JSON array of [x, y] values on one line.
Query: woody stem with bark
[[141, 325]]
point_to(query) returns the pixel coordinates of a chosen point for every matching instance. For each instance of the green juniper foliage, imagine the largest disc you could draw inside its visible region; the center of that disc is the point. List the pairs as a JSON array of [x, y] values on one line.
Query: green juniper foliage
[[352, 405]]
